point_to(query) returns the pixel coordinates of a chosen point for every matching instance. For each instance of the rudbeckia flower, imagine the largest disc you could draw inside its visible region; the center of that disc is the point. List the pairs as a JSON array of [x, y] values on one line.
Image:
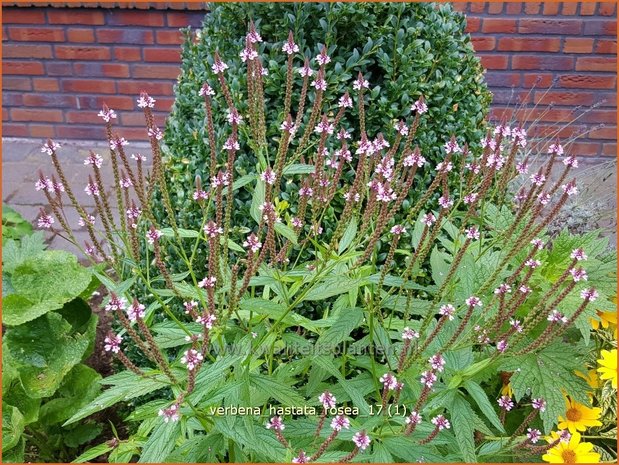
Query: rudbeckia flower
[[608, 366], [573, 451], [579, 417]]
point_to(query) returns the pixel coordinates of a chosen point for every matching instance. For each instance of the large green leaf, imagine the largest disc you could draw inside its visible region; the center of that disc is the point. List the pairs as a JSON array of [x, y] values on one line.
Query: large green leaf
[[160, 443], [92, 453], [257, 200], [540, 374], [463, 427], [349, 234], [12, 426], [347, 320], [14, 253], [331, 286], [45, 350], [276, 389], [266, 447], [43, 283], [484, 404]]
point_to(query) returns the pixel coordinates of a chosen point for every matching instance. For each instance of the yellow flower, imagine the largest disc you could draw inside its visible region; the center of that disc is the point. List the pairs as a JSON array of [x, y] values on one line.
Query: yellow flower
[[572, 452], [607, 319], [590, 377], [608, 366], [507, 390], [579, 417]]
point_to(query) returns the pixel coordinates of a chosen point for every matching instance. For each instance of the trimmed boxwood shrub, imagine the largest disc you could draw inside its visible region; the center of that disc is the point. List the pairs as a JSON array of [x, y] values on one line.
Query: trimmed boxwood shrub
[[404, 49]]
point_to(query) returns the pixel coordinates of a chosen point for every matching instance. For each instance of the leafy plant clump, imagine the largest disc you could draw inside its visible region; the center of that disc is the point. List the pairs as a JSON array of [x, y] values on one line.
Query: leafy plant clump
[[303, 342], [406, 50], [50, 331]]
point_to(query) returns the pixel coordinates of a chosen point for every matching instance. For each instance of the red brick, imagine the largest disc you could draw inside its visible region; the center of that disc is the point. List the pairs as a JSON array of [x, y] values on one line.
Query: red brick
[[494, 61], [607, 8], [472, 24], [50, 100], [544, 114], [164, 104], [117, 102], [577, 45], [125, 36], [180, 19], [460, 7], [609, 150], [587, 8], [565, 98], [155, 71], [16, 83], [483, 44], [59, 68], [81, 35], [550, 26], [12, 99], [90, 86], [551, 8], [21, 16], [593, 27], [137, 119], [82, 117], [77, 52], [513, 8], [600, 116], [536, 62], [38, 114], [529, 44], [73, 16], [585, 148], [539, 80], [135, 134], [596, 64], [41, 130], [46, 84], [510, 97], [128, 53], [5, 114], [532, 8], [170, 37], [503, 26], [587, 81], [569, 8], [13, 50], [71, 131], [171, 55], [39, 34], [22, 67], [495, 8], [14, 130], [502, 79], [606, 46], [153, 88], [101, 70], [607, 132], [135, 18], [477, 7], [608, 99]]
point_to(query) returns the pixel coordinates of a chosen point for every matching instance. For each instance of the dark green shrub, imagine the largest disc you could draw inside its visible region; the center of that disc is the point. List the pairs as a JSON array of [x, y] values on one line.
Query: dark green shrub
[[404, 49]]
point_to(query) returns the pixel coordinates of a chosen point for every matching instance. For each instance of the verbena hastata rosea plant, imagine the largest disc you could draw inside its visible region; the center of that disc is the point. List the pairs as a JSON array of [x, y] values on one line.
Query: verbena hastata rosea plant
[[396, 355]]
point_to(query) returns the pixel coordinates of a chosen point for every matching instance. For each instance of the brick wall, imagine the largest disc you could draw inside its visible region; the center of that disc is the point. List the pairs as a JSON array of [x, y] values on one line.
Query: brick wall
[[60, 64]]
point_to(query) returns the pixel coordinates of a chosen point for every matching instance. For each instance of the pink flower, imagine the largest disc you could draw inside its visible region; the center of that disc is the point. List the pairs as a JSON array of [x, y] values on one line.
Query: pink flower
[[339, 423], [276, 423], [138, 157], [488, 141], [516, 324], [207, 321], [538, 179], [473, 301], [402, 128], [522, 168], [444, 167], [92, 189], [115, 303], [544, 198], [524, 289], [470, 198], [505, 131], [419, 106], [327, 399], [361, 440], [539, 404], [289, 127], [570, 189], [191, 358], [155, 133], [297, 222], [452, 146], [474, 167], [323, 58], [389, 381], [112, 343], [572, 162], [50, 147], [428, 378], [268, 176], [445, 202], [118, 142], [343, 134], [428, 219], [306, 70], [565, 436], [219, 66], [578, 274], [556, 317], [107, 114], [589, 294], [248, 53], [501, 346], [503, 289], [414, 418], [409, 334], [447, 310], [153, 235], [555, 148], [324, 127], [533, 435], [289, 46], [206, 90], [234, 117], [208, 282], [306, 191], [82, 223], [441, 422], [135, 311], [45, 221], [189, 306], [170, 414], [472, 233], [360, 83], [538, 243], [200, 195], [252, 243], [531, 263], [345, 101], [146, 101], [578, 254], [301, 458], [506, 403], [212, 230], [319, 84], [437, 362]]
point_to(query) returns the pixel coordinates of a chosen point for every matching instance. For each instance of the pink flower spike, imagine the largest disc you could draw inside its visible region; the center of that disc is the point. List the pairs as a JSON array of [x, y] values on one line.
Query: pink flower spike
[[539, 404], [276, 423], [301, 458], [218, 66], [428, 378], [45, 221], [339, 423], [360, 83], [447, 310], [533, 435], [506, 403], [472, 233], [389, 381], [501, 346], [206, 90], [437, 362], [473, 301], [398, 230], [327, 399], [361, 440], [115, 303], [414, 418], [191, 358], [419, 106], [409, 334], [107, 114], [170, 414], [289, 46], [579, 255], [208, 282], [589, 295], [441, 422], [212, 230], [153, 235], [252, 243], [135, 310], [112, 343], [556, 149]]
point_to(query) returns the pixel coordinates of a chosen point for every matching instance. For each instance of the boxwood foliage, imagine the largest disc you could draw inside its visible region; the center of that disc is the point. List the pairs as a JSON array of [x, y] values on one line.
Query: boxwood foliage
[[404, 49]]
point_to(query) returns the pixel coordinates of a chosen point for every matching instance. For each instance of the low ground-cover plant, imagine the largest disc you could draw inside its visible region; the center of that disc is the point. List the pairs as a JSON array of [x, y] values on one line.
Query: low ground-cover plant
[[402, 363], [50, 331], [405, 49]]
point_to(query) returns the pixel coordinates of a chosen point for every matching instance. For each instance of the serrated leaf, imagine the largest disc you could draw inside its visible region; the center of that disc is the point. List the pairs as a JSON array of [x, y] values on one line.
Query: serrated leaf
[[92, 453], [160, 443], [12, 427], [14, 253], [349, 234], [461, 416], [331, 286], [287, 232], [347, 320], [484, 404], [298, 168], [257, 200], [278, 390], [187, 233]]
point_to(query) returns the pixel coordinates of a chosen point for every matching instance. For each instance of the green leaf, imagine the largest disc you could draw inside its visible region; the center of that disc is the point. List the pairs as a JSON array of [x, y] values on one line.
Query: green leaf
[[461, 416], [539, 374], [332, 285], [169, 232], [257, 200], [347, 320], [276, 389], [12, 426], [82, 434], [439, 266], [92, 453], [208, 377], [287, 232], [484, 404], [45, 350], [298, 168], [350, 387], [14, 253], [160, 443], [265, 446], [349, 234]]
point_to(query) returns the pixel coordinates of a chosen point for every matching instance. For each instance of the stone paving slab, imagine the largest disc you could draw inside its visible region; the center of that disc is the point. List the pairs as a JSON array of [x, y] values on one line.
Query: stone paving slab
[[22, 160]]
